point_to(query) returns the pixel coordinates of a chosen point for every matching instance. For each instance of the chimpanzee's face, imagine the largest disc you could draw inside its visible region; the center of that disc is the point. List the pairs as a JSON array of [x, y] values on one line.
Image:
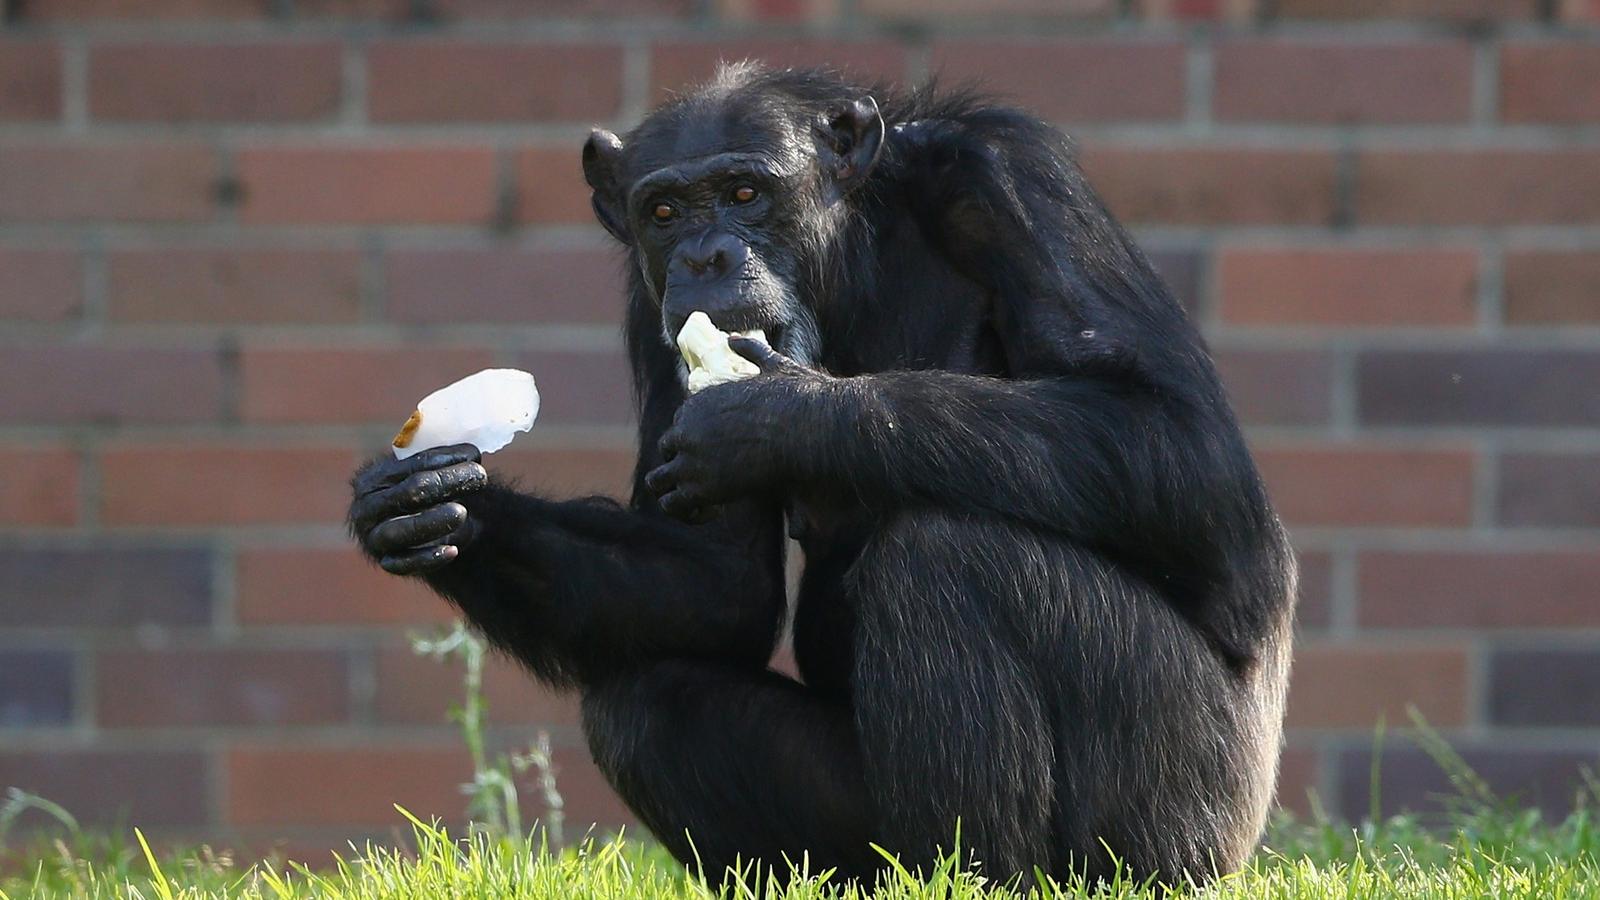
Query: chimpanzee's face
[[728, 207]]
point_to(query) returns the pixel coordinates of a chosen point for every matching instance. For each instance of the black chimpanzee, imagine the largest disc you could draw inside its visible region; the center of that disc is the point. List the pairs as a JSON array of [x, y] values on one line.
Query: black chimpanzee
[[1044, 592]]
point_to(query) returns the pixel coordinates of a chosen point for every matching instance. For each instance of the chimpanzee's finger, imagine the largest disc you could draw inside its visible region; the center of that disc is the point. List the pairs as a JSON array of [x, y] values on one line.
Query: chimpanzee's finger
[[426, 527], [662, 478], [670, 444], [415, 562], [680, 503], [758, 352], [386, 471], [418, 492]]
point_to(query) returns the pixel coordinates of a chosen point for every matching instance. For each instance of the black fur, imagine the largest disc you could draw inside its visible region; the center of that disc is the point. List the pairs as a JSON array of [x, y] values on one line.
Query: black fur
[[1044, 593]]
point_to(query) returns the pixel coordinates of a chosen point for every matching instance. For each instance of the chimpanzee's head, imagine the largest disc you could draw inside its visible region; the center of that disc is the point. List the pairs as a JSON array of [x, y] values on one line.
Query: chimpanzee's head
[[730, 197]]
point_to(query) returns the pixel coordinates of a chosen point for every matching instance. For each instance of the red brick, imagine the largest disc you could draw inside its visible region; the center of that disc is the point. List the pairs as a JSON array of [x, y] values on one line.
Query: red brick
[[30, 81], [438, 285], [40, 284], [1459, 11], [1552, 287], [777, 10], [1073, 80], [582, 388], [327, 586], [87, 587], [550, 187], [1354, 485], [1196, 10], [1493, 386], [1479, 588], [678, 66], [44, 382], [223, 82], [419, 690], [568, 472], [1478, 187], [383, 10], [561, 9], [56, 181], [1339, 685], [1278, 387], [347, 384], [1299, 774], [1411, 779], [1578, 10], [222, 285], [1347, 287], [473, 81], [40, 487], [1315, 609], [1550, 82], [225, 686], [114, 788], [193, 483], [1213, 185], [1550, 490], [45, 10], [1327, 83], [935, 10], [368, 185]]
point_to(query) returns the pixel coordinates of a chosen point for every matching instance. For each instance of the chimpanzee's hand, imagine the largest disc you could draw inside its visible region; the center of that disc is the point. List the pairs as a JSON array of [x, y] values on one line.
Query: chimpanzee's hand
[[726, 441], [404, 511]]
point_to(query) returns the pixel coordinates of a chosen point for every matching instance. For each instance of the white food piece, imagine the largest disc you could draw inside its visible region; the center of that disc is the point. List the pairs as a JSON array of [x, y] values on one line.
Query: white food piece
[[485, 410], [711, 361]]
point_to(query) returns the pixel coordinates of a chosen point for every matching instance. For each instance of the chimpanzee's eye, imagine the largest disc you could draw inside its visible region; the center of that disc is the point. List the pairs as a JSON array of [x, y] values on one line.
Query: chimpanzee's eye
[[663, 213], [744, 193]]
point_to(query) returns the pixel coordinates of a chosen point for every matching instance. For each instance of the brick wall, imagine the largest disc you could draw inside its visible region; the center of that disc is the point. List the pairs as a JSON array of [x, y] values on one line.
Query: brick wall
[[238, 238]]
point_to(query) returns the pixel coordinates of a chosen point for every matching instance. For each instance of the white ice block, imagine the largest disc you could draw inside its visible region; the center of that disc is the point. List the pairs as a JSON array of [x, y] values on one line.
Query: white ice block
[[711, 361], [485, 410]]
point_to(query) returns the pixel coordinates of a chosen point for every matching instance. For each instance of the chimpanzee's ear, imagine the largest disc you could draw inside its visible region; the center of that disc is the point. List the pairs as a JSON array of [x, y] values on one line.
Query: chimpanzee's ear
[[851, 140], [602, 157]]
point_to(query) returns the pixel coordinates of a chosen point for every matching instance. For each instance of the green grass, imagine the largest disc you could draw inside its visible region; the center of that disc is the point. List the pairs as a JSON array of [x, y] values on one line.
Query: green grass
[[1483, 851]]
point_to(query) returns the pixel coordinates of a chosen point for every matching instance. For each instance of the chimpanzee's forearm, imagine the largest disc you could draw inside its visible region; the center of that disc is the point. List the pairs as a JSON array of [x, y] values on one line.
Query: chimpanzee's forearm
[[580, 588]]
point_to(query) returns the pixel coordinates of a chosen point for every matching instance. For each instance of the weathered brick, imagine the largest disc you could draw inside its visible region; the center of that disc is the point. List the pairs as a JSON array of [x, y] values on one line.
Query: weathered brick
[[1299, 774], [953, 9], [1341, 485], [1578, 10], [40, 487], [105, 587], [561, 9], [214, 82], [1410, 779], [1552, 287], [1196, 10], [47, 10], [418, 690], [1480, 588], [1478, 187], [1347, 287], [1073, 80], [1492, 387], [1212, 185], [1550, 82], [222, 285], [41, 284], [194, 483], [30, 81], [1550, 490], [76, 383], [1343, 685], [678, 65], [356, 10], [35, 688], [347, 384], [1315, 609], [1278, 387], [560, 472], [103, 787], [1342, 82], [550, 187], [1183, 271], [777, 10], [327, 586], [57, 181], [359, 785], [474, 81], [442, 184], [1545, 687], [1458, 11], [582, 388], [438, 285], [222, 686]]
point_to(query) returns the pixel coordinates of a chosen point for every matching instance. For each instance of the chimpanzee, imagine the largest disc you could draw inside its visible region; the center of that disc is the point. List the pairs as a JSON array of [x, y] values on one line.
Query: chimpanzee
[[1045, 599]]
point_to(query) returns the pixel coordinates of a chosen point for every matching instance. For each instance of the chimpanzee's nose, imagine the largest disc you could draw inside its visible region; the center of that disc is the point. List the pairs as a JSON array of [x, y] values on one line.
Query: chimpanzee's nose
[[713, 255]]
